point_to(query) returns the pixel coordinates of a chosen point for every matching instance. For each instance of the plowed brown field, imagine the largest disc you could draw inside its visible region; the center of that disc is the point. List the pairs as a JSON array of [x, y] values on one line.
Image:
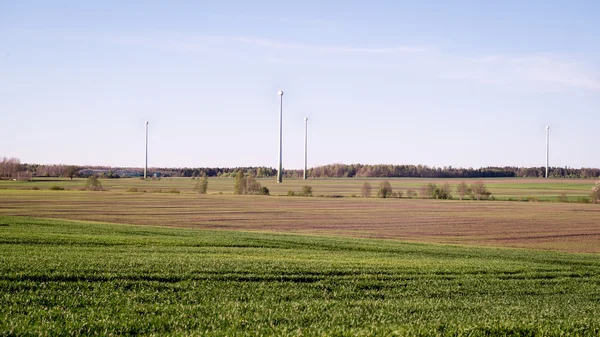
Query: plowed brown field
[[556, 226]]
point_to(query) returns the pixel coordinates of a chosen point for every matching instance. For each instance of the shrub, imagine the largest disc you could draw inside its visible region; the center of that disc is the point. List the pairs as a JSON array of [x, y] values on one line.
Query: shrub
[[93, 184], [583, 200], [385, 189], [56, 188], [252, 186], [173, 191], [202, 184], [434, 192], [595, 193], [444, 192], [411, 193], [264, 191], [291, 193], [428, 191], [462, 189], [479, 191], [366, 190], [240, 184], [246, 185], [307, 191], [133, 189], [35, 188]]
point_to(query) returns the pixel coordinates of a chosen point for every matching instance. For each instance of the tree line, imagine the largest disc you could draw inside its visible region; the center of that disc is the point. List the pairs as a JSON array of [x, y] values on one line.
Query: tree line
[[424, 171], [381, 171], [12, 168]]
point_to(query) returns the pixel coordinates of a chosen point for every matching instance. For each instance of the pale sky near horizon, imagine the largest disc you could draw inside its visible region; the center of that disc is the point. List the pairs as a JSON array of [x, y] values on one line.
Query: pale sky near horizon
[[438, 83]]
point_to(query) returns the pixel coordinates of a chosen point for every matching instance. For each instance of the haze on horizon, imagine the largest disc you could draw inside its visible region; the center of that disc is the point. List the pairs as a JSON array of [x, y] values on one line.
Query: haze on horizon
[[462, 84]]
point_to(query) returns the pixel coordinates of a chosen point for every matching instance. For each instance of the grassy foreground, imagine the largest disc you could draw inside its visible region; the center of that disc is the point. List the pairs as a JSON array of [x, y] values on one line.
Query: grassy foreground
[[62, 278]]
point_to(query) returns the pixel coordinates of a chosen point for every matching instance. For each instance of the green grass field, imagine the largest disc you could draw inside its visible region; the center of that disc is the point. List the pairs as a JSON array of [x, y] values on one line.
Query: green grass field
[[293, 266], [66, 277], [502, 189]]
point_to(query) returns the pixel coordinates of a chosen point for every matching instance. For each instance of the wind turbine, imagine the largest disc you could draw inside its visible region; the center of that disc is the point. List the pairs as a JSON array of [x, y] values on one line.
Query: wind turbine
[[305, 145], [280, 166], [547, 148], [146, 165]]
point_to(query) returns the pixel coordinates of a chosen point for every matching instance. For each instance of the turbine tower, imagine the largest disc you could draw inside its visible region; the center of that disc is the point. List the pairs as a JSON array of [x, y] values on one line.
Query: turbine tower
[[305, 145], [547, 148], [146, 165], [280, 166]]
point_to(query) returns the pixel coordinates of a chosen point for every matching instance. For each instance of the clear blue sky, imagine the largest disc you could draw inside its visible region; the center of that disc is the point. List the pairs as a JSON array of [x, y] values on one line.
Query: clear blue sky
[[460, 83]]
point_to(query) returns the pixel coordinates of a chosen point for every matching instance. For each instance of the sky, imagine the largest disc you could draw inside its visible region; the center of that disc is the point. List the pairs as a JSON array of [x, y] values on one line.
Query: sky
[[438, 83]]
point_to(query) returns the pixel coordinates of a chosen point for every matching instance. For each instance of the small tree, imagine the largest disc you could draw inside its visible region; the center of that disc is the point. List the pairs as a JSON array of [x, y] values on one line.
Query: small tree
[[246, 184], [442, 192], [71, 171], [595, 194], [202, 184], [240, 183], [93, 184], [252, 186], [385, 189], [366, 190], [479, 191], [463, 189], [307, 191], [429, 191]]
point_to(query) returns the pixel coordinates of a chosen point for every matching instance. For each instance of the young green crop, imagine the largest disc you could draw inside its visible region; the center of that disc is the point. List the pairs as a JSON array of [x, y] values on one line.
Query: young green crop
[[61, 277]]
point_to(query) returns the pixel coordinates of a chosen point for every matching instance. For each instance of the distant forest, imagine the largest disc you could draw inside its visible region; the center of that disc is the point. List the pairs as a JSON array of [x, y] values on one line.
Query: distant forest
[[13, 169]]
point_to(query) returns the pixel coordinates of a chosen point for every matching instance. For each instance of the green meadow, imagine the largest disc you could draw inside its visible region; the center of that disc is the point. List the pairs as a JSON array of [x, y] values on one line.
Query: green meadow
[[61, 277]]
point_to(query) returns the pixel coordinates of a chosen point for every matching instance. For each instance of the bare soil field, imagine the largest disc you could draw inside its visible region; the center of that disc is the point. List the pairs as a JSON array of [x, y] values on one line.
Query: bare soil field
[[501, 188], [553, 226]]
